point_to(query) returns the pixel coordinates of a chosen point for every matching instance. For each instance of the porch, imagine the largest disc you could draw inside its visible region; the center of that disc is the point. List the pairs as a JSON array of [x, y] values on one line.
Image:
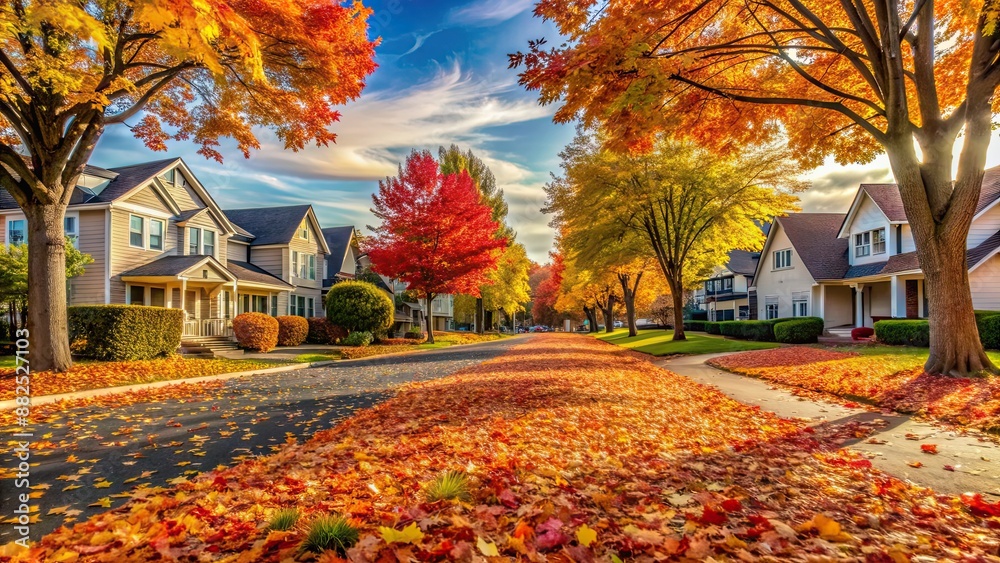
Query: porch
[[862, 302]]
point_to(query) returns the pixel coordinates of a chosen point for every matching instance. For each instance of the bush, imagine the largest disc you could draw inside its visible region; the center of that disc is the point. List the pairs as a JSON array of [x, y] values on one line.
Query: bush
[[359, 307], [695, 326], [901, 332], [359, 338], [322, 331], [713, 327], [862, 332], [989, 332], [731, 328], [799, 331], [292, 330], [415, 333], [124, 332], [256, 331]]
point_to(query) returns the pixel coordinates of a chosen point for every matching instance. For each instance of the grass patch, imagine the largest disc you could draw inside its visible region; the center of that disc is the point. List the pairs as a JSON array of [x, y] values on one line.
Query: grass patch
[[284, 519], [329, 533], [309, 358], [451, 485], [429, 346], [659, 343], [8, 362]]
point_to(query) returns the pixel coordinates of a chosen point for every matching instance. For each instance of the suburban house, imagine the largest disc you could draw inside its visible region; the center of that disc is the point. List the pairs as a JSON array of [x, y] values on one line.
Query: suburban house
[[855, 268], [727, 294], [345, 255], [159, 238]]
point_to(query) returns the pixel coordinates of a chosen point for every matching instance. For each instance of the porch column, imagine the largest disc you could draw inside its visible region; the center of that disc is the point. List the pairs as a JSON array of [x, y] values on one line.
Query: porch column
[[859, 304], [820, 309], [895, 311]]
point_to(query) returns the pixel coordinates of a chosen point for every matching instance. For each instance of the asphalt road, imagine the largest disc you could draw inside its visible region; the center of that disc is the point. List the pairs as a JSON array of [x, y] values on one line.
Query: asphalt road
[[103, 454]]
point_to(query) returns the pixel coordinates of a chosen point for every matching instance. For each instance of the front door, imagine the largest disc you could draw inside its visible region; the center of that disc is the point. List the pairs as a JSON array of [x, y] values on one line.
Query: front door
[[191, 304]]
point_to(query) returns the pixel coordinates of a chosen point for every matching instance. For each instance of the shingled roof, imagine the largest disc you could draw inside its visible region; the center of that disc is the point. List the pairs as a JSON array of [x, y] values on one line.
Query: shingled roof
[[888, 200], [123, 180], [247, 272], [269, 225], [814, 236], [743, 262], [338, 239], [171, 266]]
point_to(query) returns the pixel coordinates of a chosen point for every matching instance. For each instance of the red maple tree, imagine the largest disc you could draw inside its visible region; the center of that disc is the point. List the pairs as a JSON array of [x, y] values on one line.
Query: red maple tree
[[436, 234], [544, 297]]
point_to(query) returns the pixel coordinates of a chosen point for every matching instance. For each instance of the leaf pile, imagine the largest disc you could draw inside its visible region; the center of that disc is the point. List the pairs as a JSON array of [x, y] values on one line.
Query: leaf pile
[[896, 382], [574, 451], [98, 375]]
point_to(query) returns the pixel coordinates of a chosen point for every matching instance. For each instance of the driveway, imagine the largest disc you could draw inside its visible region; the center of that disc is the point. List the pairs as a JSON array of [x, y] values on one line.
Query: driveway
[[102, 455], [965, 462]]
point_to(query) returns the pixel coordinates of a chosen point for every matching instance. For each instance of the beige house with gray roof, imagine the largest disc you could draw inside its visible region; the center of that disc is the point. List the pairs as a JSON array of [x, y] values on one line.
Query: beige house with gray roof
[[159, 238]]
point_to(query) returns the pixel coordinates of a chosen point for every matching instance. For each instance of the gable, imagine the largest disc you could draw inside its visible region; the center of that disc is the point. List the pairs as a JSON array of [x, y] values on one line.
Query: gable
[[867, 217], [153, 197]]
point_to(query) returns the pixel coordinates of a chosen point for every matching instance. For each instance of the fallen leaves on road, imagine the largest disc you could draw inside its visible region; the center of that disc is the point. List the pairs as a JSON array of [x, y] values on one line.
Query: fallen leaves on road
[[890, 381], [574, 451], [96, 375]]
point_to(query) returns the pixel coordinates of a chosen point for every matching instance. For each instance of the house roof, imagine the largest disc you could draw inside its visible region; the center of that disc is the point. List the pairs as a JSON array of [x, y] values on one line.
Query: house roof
[[269, 225], [339, 240], [170, 266], [908, 262], [886, 197], [123, 180], [247, 272], [814, 236], [743, 262]]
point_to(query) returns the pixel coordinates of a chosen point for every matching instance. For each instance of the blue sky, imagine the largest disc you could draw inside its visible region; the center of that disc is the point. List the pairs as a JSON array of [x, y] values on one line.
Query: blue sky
[[442, 79]]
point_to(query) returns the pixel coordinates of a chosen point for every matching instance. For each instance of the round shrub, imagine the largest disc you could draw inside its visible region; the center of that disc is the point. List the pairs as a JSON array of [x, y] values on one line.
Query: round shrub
[[256, 331], [359, 307], [862, 332], [903, 332], [292, 330], [322, 331], [798, 331], [360, 338]]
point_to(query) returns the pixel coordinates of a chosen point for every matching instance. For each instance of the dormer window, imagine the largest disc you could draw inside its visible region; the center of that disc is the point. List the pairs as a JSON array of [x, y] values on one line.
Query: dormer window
[[878, 241], [169, 176], [862, 244]]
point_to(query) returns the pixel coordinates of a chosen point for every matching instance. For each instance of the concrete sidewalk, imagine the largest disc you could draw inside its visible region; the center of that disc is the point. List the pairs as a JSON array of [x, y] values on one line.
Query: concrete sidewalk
[[974, 458]]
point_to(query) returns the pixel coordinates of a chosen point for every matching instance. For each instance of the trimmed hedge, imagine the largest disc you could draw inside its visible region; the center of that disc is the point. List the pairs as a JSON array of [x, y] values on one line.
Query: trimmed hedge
[[124, 332], [256, 331], [292, 330], [988, 323], [359, 307], [903, 332], [695, 326], [712, 327], [322, 331], [415, 334], [799, 331], [359, 338]]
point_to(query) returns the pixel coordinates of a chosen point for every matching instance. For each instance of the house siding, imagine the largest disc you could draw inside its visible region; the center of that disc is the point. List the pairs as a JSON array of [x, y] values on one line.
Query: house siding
[[206, 221], [781, 283], [148, 198], [272, 260], [125, 257], [868, 218], [984, 227], [985, 284], [236, 251], [89, 287]]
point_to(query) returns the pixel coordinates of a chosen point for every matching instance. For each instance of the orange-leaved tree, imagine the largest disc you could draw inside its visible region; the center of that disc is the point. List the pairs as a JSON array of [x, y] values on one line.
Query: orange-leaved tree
[[436, 234], [169, 69], [848, 79]]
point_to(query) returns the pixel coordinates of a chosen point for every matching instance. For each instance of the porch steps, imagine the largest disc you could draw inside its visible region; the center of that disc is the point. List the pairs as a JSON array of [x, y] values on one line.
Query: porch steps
[[209, 346], [843, 332]]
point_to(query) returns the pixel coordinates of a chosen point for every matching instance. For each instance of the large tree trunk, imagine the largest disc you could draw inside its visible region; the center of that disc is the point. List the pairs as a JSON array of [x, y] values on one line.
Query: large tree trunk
[[480, 316], [628, 296], [609, 315], [430, 319], [678, 299], [591, 315], [47, 288]]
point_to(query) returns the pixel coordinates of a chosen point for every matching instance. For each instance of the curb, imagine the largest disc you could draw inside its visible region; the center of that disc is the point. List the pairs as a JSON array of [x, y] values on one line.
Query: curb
[[86, 394]]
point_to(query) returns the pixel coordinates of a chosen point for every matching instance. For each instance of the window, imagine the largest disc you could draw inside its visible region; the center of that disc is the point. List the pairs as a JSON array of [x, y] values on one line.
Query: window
[[771, 307], [863, 244], [208, 243], [274, 306], [878, 241], [169, 176], [136, 231], [303, 265], [194, 241], [71, 228], [301, 306], [310, 307], [727, 284], [157, 297], [312, 267], [17, 232], [136, 295], [226, 297], [782, 259], [295, 262], [304, 229], [155, 234], [800, 304]]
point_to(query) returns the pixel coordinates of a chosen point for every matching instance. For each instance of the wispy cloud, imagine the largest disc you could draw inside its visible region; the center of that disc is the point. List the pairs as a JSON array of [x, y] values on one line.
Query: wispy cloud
[[489, 12]]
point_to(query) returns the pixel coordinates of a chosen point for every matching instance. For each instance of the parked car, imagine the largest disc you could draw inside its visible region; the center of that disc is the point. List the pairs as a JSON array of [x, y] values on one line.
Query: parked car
[[619, 324]]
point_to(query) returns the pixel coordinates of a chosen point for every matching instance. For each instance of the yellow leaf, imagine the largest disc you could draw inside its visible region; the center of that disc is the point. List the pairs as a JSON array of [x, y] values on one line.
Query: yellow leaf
[[102, 484], [102, 503], [489, 549], [409, 534], [585, 535]]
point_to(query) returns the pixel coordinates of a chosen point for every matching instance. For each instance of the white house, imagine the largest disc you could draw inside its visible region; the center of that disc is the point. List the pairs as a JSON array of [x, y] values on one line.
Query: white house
[[726, 296], [856, 268]]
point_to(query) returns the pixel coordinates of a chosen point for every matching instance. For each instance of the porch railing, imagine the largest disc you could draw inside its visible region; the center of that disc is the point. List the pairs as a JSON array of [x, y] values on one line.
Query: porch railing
[[208, 327]]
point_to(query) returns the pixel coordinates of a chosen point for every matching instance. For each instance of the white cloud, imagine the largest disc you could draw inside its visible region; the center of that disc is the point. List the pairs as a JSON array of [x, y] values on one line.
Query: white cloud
[[489, 12]]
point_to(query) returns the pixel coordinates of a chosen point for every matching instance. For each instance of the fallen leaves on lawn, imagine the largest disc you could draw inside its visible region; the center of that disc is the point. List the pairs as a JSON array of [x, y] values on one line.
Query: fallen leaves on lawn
[[894, 381], [574, 451], [97, 375]]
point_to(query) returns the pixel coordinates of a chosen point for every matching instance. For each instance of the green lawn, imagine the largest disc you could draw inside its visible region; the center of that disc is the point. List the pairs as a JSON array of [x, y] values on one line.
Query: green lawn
[[659, 343], [309, 358], [7, 362], [908, 352]]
